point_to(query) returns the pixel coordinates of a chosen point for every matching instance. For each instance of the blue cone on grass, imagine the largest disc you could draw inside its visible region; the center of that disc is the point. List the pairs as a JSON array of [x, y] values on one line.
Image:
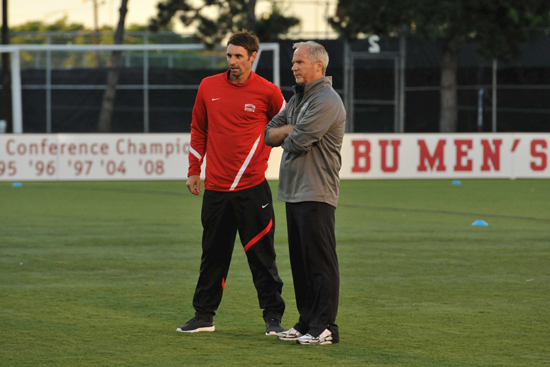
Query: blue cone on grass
[[480, 222], [17, 184]]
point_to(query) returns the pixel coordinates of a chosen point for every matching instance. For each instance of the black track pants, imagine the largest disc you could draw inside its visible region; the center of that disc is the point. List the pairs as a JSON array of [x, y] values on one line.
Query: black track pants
[[250, 212], [312, 248]]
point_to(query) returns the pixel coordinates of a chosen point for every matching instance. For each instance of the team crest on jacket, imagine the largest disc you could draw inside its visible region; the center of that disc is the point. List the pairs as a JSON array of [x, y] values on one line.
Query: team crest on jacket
[[249, 107]]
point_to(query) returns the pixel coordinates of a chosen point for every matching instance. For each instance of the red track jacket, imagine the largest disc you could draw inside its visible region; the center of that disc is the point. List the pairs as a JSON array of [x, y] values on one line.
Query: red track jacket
[[228, 124]]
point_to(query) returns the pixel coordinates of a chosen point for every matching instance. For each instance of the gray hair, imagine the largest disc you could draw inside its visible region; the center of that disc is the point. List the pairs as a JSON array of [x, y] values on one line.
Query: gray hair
[[315, 52]]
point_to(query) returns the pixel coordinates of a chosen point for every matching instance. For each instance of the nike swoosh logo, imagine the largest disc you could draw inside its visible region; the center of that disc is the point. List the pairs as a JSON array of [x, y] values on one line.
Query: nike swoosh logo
[[214, 99], [265, 206]]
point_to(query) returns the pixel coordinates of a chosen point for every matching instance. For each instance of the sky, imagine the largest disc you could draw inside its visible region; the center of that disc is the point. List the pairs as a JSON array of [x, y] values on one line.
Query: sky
[[311, 12]]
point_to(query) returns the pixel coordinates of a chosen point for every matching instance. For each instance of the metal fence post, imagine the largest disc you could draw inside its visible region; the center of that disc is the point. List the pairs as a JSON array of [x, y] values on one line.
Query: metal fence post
[[48, 87], [480, 110], [402, 69], [494, 112], [146, 86], [348, 93], [396, 95]]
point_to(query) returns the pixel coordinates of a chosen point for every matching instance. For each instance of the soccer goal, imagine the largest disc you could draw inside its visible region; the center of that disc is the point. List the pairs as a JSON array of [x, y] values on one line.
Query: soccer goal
[[148, 52]]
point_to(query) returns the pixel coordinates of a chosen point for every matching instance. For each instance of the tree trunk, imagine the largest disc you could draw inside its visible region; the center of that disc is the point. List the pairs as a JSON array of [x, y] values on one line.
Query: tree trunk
[[449, 112], [6, 71], [112, 77], [251, 19]]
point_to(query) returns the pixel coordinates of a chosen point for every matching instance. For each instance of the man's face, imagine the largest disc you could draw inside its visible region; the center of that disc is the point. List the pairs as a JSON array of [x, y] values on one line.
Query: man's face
[[304, 70], [239, 61]]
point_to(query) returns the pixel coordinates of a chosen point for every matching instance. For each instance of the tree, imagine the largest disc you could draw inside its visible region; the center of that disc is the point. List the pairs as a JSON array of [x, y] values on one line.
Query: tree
[[56, 36], [498, 27], [271, 26], [232, 16], [60, 25], [57, 31], [167, 37], [112, 77]]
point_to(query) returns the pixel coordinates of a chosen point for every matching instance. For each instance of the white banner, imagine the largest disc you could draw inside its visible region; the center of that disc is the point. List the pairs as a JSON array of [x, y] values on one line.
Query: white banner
[[86, 157], [72, 157], [417, 156]]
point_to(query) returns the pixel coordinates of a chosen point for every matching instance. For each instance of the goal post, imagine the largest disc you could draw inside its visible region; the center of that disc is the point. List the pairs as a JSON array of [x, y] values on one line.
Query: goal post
[[276, 72], [15, 51], [16, 92]]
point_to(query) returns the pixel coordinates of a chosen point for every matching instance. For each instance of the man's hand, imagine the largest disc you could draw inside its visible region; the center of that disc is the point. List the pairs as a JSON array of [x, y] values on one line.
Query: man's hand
[[277, 135], [194, 184]]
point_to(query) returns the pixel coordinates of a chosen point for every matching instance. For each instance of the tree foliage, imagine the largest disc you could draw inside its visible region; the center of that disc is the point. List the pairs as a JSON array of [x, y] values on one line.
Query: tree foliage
[[62, 25], [167, 37], [60, 33], [498, 27], [231, 16]]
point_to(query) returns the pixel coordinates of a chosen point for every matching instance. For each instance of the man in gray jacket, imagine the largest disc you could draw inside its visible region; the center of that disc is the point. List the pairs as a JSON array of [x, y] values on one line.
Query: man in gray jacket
[[310, 130]]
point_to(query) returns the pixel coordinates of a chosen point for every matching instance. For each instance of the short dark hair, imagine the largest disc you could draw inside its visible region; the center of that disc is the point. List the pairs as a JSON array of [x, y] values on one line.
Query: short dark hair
[[245, 39]]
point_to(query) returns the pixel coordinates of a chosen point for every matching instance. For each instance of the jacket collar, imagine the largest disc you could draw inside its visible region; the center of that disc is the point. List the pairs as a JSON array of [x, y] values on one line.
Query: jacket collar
[[314, 85]]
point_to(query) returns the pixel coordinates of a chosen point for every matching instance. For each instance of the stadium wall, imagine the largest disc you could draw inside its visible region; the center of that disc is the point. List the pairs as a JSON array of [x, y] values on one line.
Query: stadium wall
[[88, 157]]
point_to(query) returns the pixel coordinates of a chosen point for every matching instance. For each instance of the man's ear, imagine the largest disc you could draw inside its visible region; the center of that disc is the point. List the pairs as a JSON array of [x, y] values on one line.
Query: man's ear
[[253, 56]]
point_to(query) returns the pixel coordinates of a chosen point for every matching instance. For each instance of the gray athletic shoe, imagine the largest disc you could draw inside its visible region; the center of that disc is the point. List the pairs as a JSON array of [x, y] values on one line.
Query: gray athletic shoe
[[291, 334], [195, 325], [324, 338], [272, 327]]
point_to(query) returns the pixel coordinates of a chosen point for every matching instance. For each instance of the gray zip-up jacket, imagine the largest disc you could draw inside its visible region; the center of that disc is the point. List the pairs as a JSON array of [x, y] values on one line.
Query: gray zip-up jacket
[[311, 160]]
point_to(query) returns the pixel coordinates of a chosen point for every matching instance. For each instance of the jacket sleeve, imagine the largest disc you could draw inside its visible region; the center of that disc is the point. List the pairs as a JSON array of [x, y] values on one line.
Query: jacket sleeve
[[199, 134], [312, 124], [277, 121]]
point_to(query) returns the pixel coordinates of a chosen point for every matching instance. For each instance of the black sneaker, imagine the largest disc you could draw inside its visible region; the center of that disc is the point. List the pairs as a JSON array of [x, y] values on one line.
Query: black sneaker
[[195, 325], [273, 326]]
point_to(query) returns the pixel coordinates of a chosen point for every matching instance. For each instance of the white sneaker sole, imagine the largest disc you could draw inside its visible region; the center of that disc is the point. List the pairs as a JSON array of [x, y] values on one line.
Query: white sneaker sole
[[288, 339], [207, 328], [325, 342]]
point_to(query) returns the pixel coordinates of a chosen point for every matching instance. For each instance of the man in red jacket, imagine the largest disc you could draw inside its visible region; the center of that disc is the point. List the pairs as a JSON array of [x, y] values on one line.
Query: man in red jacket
[[229, 117]]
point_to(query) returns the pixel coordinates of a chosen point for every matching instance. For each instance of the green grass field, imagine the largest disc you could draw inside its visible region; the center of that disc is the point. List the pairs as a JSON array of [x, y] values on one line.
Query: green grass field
[[102, 273]]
